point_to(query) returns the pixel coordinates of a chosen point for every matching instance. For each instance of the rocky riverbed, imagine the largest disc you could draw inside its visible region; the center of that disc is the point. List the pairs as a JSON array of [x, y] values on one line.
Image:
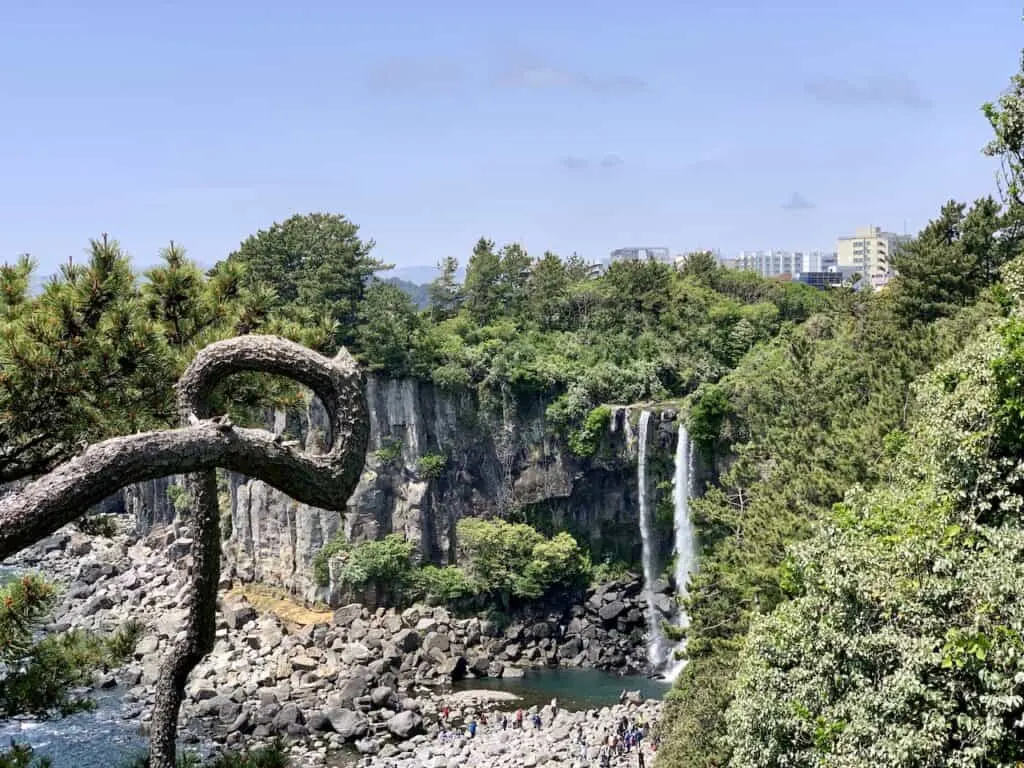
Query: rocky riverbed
[[372, 681]]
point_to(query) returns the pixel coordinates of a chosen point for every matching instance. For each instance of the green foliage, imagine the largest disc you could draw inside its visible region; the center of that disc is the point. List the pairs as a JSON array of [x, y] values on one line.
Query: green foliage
[[22, 756], [707, 414], [389, 330], [315, 262], [586, 440], [952, 260], [385, 563], [512, 561], [1006, 116], [804, 418], [901, 646], [121, 645], [42, 671], [431, 465], [322, 559], [448, 584], [273, 756], [445, 292], [608, 570], [390, 450], [97, 525]]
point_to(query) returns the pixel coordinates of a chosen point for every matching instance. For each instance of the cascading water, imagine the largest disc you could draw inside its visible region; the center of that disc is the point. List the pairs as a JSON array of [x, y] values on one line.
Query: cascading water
[[685, 546], [655, 639]]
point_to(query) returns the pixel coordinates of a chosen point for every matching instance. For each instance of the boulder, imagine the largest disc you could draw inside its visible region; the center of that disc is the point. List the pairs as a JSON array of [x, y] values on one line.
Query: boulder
[[237, 615], [382, 696], [436, 640], [288, 716], [304, 663], [347, 614], [612, 610], [405, 724], [348, 723]]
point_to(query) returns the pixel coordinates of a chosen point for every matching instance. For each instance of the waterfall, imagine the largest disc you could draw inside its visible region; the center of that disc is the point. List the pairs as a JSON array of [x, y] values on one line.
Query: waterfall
[[685, 546], [655, 639]]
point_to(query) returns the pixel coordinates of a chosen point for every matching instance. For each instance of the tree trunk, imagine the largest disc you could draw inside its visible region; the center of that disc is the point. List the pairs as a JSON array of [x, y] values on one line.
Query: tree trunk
[[200, 446], [200, 623]]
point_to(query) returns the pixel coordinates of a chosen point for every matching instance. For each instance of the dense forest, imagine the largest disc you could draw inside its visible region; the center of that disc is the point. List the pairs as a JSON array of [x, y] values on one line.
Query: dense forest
[[856, 602]]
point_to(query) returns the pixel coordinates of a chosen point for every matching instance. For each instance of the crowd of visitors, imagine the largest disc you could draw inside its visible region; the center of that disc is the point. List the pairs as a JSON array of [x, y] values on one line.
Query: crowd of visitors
[[631, 736]]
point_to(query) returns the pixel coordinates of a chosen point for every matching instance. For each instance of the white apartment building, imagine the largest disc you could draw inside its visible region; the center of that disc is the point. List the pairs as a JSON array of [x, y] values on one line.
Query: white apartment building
[[774, 262], [869, 249]]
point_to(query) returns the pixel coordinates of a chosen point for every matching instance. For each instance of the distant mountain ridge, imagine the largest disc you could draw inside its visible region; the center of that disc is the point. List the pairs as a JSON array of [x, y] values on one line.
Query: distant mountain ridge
[[419, 294]]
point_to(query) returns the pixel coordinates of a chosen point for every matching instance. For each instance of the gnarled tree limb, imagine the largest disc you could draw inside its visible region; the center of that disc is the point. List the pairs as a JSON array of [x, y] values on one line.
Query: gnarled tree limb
[[325, 480]]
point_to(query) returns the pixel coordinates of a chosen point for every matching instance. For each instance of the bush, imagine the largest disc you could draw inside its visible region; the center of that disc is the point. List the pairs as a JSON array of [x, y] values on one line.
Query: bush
[[385, 562], [98, 525], [322, 560], [431, 465], [389, 451], [179, 497], [41, 673], [22, 756], [586, 440], [608, 570], [444, 585], [274, 756], [121, 644], [509, 561]]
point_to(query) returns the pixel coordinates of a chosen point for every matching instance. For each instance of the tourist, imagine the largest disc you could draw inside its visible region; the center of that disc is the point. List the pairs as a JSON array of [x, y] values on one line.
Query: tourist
[[504, 721], [640, 759], [445, 712], [554, 709], [519, 719], [536, 721], [472, 728]]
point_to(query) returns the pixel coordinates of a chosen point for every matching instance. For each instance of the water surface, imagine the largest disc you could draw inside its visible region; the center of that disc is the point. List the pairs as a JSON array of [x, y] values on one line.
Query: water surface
[[575, 689]]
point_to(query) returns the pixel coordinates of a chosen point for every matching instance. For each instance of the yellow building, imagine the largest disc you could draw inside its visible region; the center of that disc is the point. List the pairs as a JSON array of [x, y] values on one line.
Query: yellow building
[[869, 250]]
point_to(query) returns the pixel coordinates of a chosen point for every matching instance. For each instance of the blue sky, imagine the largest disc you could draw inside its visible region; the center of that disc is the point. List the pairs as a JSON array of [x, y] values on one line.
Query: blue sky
[[566, 125]]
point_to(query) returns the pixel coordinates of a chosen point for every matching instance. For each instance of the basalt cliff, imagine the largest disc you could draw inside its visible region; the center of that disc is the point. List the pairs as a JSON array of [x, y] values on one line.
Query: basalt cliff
[[436, 457]]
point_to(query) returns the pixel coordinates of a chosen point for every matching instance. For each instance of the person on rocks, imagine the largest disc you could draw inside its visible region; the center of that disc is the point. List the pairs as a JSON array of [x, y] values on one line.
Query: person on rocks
[[536, 721], [640, 762], [519, 719], [504, 721], [472, 728], [445, 712], [554, 709]]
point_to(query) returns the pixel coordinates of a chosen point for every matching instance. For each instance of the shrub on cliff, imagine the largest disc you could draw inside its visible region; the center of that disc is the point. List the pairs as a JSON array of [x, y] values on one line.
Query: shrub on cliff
[[384, 563]]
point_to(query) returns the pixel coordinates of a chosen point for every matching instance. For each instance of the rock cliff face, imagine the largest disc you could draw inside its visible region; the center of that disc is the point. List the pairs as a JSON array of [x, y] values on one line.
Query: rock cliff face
[[434, 458]]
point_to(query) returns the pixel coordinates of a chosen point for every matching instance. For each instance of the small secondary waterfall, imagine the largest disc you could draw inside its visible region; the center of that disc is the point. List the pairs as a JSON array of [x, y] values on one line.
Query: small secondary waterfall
[[685, 546], [655, 640]]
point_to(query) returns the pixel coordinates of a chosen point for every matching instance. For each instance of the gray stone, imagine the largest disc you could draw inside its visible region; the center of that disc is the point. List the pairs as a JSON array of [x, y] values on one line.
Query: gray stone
[[382, 696], [612, 610], [347, 614], [289, 715], [405, 724], [237, 615], [407, 641], [348, 723], [436, 640], [97, 603], [304, 663]]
